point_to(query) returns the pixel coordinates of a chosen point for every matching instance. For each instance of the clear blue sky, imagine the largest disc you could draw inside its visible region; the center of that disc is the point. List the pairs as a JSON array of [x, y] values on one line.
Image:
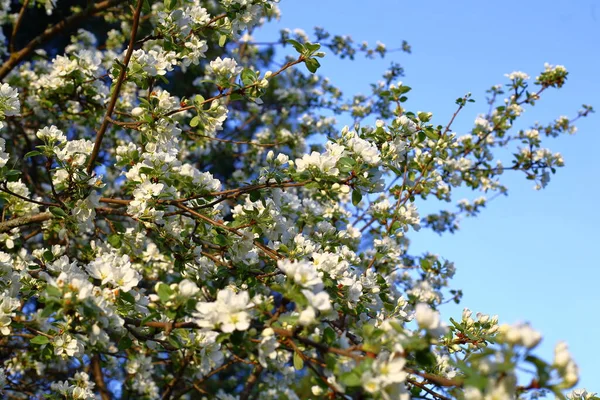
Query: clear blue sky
[[531, 256]]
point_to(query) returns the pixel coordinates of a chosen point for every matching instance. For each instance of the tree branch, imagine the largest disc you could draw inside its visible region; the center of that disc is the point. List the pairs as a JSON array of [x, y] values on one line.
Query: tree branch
[[251, 382], [73, 20], [17, 24], [20, 221], [116, 88], [99, 377]]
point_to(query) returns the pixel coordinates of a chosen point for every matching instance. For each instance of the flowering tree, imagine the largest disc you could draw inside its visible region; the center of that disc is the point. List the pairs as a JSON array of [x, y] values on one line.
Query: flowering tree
[[167, 234]]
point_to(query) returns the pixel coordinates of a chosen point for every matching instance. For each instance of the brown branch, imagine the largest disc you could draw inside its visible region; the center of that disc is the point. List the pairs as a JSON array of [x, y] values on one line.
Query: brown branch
[[319, 346], [435, 379], [161, 36], [4, 188], [250, 143], [17, 25], [421, 385], [268, 251], [290, 334], [99, 378], [161, 325], [45, 216], [116, 88], [251, 382], [73, 20], [226, 194], [26, 220], [171, 385], [121, 202], [239, 90]]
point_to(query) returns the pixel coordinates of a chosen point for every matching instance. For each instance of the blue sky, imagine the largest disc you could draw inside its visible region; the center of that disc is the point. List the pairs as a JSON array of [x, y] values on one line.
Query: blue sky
[[531, 256]]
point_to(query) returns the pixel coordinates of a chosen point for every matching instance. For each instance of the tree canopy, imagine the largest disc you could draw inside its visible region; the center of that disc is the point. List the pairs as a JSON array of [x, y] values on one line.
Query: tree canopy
[[182, 216]]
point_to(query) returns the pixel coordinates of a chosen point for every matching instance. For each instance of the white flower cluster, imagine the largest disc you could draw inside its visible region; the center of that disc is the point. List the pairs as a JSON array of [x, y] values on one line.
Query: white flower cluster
[[520, 334], [325, 164], [429, 319], [66, 346], [205, 231], [364, 150], [7, 307], [224, 68], [229, 312], [152, 62], [387, 376], [115, 270], [51, 135], [142, 194], [4, 156], [566, 366], [141, 367], [80, 387], [9, 102], [517, 75]]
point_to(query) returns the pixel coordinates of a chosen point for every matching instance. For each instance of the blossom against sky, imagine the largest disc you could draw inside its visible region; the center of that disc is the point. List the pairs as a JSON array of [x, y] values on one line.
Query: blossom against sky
[[530, 256]]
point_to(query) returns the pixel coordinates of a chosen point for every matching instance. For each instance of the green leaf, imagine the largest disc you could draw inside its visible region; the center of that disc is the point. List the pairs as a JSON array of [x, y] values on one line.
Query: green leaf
[[222, 40], [12, 175], [299, 47], [48, 255], [47, 311], [146, 7], [170, 4], [346, 164], [312, 64], [236, 96], [198, 100], [237, 338], [432, 134], [40, 339], [403, 89], [329, 335], [164, 292], [311, 47], [115, 240], [174, 342], [221, 240], [298, 362], [255, 195], [424, 117], [124, 343], [195, 121], [351, 379], [248, 76], [356, 197], [53, 291], [32, 154], [58, 212], [128, 297], [425, 357], [557, 393]]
